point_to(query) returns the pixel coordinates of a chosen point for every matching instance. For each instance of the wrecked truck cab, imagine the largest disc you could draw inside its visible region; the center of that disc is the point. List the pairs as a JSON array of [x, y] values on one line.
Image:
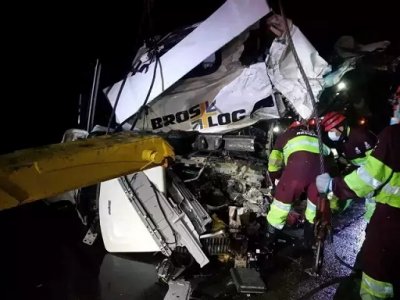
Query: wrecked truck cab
[[194, 81]]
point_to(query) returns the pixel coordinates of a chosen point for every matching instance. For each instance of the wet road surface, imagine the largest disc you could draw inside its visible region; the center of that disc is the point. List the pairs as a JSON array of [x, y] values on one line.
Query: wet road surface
[[293, 283], [42, 257]]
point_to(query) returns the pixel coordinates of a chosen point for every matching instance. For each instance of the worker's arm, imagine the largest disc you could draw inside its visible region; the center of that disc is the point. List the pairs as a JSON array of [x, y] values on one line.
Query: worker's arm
[[276, 159], [370, 176], [275, 164]]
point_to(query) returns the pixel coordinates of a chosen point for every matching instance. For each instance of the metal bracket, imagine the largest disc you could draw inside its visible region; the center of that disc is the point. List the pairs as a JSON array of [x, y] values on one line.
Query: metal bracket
[[178, 290], [90, 237]]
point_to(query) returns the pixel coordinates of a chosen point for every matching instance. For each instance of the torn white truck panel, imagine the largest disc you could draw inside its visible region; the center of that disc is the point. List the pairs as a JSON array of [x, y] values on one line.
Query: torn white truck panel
[[231, 19], [286, 76], [221, 101]]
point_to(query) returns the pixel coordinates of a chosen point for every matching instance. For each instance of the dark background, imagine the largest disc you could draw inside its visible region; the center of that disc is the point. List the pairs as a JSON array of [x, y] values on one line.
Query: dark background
[[51, 49]]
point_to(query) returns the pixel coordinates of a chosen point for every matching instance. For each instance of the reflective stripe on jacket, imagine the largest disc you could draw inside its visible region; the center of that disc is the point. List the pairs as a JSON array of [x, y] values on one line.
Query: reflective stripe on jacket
[[380, 175], [375, 175], [293, 140]]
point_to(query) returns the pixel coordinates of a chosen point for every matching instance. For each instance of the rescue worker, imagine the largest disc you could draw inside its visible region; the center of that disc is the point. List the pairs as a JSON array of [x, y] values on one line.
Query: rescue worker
[[295, 161], [353, 144], [380, 175]]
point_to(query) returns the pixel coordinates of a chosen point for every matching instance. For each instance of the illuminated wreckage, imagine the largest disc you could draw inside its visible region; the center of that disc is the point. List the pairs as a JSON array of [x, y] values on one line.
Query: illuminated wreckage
[[221, 116]]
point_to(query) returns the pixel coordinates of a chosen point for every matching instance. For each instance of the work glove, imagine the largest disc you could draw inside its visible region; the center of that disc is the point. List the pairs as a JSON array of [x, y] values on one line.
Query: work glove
[[324, 183]]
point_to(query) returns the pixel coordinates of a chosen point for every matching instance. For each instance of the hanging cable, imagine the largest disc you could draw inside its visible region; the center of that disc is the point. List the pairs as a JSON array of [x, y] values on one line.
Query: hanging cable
[[308, 86], [133, 71], [322, 226], [136, 115], [116, 103], [147, 7], [139, 112]]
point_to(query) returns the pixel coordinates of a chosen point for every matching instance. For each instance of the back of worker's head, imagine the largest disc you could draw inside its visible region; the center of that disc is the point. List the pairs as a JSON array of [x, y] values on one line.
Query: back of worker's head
[[303, 125], [295, 124], [334, 124], [312, 124]]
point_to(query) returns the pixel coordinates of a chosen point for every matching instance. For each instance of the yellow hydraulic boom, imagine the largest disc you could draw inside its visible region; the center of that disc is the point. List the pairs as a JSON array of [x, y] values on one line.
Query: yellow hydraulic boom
[[38, 173]]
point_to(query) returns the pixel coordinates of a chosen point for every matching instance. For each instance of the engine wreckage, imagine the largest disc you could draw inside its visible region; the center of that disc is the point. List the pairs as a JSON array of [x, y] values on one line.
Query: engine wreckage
[[221, 118]]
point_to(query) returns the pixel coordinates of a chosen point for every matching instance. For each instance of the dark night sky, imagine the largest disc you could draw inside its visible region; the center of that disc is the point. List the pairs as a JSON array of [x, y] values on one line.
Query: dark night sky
[[50, 51]]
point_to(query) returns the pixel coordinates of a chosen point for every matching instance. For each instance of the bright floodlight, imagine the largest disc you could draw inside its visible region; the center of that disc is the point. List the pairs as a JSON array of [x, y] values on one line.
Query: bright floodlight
[[341, 86]]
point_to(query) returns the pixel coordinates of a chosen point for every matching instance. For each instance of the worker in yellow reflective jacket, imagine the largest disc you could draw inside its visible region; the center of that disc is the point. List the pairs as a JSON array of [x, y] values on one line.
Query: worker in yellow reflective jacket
[[295, 161], [380, 175], [352, 143]]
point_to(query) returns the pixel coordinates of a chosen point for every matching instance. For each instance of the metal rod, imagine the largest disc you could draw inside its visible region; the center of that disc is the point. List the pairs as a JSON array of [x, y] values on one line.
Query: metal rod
[[95, 95], [92, 97], [79, 110]]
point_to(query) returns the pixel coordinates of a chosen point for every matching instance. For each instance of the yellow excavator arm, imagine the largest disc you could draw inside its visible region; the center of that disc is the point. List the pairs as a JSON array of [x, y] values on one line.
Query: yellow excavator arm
[[38, 173]]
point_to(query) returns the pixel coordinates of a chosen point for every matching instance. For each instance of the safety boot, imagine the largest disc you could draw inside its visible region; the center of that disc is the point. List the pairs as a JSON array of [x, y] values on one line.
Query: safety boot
[[270, 237]]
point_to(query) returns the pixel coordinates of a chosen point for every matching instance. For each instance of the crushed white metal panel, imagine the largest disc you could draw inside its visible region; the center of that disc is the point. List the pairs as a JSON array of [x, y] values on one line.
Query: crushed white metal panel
[[136, 217], [206, 39], [286, 76], [122, 229], [173, 224]]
